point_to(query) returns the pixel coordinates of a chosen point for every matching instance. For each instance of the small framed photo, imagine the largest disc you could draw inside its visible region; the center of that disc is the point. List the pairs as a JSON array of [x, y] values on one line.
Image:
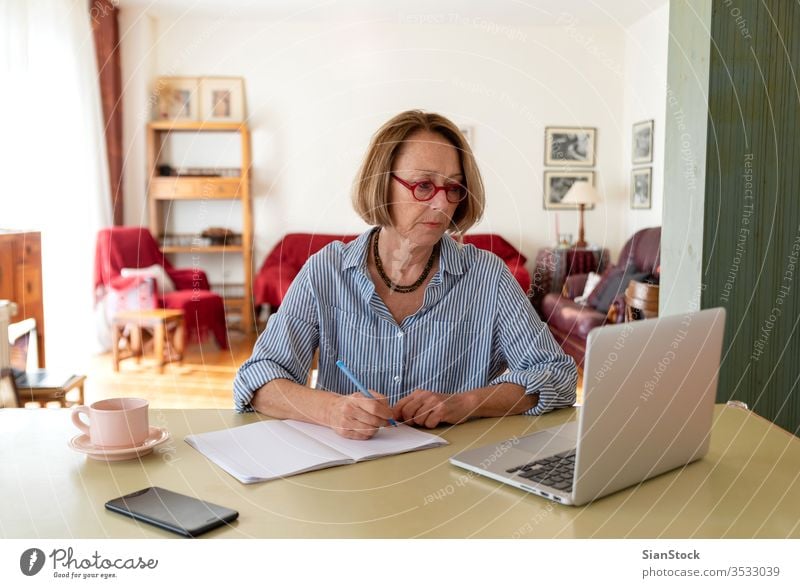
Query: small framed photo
[[569, 146], [177, 99], [642, 144], [222, 99], [557, 184], [641, 188]]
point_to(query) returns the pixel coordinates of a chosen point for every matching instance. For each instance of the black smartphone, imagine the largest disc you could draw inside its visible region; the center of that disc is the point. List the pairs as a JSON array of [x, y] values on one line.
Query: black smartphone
[[174, 512]]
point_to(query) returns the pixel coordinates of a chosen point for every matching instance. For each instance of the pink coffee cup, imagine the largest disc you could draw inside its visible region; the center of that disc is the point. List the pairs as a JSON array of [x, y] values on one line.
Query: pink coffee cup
[[115, 422]]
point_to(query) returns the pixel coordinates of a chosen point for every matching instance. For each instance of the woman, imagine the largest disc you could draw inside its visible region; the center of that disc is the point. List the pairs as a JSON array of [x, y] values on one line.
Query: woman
[[438, 332]]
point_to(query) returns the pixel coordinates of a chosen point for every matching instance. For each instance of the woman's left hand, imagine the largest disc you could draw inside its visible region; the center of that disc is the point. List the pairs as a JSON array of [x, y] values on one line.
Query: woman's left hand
[[429, 409]]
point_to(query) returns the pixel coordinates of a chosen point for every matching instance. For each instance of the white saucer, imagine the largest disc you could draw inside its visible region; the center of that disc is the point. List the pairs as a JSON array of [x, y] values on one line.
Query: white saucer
[[82, 444]]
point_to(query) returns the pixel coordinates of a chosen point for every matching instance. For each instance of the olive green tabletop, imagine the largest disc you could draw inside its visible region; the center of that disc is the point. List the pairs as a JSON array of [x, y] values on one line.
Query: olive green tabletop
[[747, 486]]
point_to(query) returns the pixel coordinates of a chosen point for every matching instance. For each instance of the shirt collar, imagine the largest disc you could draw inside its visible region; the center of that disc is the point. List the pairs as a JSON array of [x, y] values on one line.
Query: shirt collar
[[450, 259], [355, 254]]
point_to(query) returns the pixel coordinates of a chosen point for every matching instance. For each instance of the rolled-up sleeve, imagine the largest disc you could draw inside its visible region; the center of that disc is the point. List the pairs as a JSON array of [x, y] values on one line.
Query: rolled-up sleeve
[[534, 359], [285, 348]]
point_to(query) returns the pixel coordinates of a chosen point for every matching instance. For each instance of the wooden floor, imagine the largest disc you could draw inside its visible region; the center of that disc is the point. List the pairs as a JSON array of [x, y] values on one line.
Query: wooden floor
[[204, 380]]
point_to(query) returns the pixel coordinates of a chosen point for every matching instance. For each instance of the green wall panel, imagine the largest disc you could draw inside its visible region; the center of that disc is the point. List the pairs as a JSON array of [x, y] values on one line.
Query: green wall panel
[[751, 242]]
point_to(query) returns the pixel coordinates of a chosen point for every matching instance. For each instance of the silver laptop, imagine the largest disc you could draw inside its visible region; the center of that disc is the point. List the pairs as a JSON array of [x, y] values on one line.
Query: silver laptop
[[649, 392]]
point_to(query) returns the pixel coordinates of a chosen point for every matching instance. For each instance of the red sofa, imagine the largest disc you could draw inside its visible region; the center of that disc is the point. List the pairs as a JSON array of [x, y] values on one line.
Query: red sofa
[[571, 322], [285, 260]]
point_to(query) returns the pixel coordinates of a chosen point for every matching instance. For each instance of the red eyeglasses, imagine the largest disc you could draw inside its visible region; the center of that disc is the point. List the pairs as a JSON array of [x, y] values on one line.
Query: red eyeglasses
[[425, 190]]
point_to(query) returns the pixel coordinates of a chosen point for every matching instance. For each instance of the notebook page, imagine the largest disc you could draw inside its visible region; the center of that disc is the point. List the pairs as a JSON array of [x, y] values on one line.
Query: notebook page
[[387, 441], [264, 451]]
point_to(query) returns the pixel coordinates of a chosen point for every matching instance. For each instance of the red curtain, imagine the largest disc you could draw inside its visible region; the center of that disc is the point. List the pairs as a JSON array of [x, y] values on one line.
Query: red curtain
[[106, 41]]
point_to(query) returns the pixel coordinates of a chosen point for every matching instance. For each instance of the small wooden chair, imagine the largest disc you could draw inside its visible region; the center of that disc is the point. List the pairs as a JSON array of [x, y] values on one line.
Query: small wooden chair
[[48, 386], [641, 301], [40, 386]]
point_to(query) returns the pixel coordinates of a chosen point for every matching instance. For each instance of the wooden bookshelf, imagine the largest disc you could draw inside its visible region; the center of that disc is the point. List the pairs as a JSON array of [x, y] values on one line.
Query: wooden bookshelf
[[163, 189]]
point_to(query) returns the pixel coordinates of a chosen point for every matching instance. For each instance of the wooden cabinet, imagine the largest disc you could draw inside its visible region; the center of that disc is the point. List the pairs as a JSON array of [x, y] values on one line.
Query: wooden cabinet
[[163, 191], [21, 279]]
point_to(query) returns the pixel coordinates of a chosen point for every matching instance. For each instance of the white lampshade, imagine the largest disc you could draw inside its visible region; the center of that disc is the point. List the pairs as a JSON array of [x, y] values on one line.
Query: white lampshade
[[581, 192]]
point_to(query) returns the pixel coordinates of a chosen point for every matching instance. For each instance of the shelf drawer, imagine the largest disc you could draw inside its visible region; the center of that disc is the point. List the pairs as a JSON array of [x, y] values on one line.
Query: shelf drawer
[[220, 188], [194, 188], [168, 188]]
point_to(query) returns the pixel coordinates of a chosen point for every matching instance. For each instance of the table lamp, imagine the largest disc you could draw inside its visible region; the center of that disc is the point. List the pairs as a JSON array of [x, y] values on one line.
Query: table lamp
[[581, 193]]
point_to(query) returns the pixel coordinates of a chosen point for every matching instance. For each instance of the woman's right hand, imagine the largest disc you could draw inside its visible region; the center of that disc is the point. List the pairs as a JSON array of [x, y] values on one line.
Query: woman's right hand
[[358, 417]]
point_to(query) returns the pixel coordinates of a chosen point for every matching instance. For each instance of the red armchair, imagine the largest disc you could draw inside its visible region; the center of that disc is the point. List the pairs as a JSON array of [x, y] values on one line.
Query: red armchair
[[134, 247], [285, 260], [571, 322]]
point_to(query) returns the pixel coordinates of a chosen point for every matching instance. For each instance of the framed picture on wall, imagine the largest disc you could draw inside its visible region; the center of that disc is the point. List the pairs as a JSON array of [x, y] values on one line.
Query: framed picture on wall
[[557, 184], [642, 144], [641, 188], [222, 99], [569, 146], [177, 99]]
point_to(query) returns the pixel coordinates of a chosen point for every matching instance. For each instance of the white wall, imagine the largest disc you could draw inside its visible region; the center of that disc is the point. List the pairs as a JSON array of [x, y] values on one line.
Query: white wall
[[316, 92], [646, 98], [682, 275]]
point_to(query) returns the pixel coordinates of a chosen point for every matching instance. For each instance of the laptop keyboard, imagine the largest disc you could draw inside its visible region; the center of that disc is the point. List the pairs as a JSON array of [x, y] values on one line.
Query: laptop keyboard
[[556, 471]]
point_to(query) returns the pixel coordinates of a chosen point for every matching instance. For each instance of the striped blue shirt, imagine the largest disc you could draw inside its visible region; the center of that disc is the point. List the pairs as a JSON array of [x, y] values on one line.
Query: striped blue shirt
[[475, 328]]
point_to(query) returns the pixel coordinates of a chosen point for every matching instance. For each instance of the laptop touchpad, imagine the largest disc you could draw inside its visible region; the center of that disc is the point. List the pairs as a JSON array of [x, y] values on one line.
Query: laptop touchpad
[[548, 442]]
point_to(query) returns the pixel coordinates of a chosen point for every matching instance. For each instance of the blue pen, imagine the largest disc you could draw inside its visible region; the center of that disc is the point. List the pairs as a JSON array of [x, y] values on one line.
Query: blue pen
[[361, 387]]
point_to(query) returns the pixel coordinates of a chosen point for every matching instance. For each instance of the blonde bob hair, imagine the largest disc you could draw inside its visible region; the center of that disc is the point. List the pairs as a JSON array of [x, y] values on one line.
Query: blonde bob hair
[[371, 189]]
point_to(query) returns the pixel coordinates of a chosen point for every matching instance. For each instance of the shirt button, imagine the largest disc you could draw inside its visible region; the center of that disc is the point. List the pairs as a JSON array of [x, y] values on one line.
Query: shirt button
[[400, 334], [396, 378]]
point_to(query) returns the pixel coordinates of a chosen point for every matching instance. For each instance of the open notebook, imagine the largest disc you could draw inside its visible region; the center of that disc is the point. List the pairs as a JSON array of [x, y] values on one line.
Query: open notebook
[[274, 449]]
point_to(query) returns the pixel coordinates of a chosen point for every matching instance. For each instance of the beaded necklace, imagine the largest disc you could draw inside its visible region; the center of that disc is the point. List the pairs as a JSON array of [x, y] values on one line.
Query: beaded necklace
[[386, 280]]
